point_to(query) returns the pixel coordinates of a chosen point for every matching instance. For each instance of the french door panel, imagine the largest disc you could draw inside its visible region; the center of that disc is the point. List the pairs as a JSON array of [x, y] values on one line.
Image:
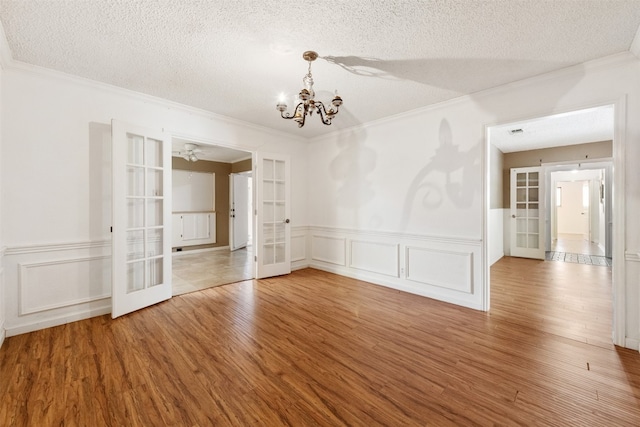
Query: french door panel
[[141, 245], [273, 240], [527, 212]]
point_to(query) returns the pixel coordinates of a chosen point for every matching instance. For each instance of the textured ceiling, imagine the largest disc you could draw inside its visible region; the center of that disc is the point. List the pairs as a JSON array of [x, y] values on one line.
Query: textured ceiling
[[235, 57]]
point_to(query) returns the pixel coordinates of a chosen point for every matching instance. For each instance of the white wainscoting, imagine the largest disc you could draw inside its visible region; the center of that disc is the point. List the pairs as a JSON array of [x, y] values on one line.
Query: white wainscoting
[[299, 248], [449, 270], [496, 234], [45, 286], [443, 268], [632, 273], [49, 285], [2, 298], [375, 257], [329, 249]]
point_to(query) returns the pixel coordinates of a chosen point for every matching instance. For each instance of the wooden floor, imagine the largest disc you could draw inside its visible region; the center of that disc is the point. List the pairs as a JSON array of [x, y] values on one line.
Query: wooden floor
[[313, 348]]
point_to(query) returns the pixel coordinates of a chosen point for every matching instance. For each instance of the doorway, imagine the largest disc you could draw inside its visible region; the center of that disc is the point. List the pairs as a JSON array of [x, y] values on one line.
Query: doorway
[[552, 143], [579, 213], [200, 264]]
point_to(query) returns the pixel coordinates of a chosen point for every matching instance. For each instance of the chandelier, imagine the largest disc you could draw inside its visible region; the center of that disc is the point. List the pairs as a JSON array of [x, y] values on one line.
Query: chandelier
[[307, 104]]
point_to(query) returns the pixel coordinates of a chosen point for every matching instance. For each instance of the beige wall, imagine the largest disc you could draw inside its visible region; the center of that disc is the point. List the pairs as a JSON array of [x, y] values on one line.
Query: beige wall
[[222, 171], [569, 153], [241, 166]]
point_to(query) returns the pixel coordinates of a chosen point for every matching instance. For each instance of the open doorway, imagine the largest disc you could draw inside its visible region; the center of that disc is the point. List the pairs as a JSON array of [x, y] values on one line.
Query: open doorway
[[201, 215], [579, 210], [580, 140]]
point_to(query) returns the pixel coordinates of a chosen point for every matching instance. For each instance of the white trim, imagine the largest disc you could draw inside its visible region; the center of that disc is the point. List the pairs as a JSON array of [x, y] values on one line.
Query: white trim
[[632, 344], [197, 251], [632, 256], [618, 219], [131, 94], [395, 235], [51, 247]]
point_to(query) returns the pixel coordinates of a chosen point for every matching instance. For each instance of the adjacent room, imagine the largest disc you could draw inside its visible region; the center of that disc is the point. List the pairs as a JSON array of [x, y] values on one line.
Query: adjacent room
[[302, 213]]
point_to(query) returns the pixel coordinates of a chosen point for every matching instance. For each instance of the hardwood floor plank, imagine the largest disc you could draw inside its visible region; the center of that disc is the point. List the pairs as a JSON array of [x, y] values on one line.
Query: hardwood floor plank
[[316, 349]]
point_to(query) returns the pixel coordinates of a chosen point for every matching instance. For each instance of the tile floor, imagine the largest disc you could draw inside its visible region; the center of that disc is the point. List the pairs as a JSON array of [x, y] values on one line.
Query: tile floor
[[575, 248], [201, 270]]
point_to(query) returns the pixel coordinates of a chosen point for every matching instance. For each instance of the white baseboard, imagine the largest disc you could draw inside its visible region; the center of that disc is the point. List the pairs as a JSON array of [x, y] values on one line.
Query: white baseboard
[[3, 334], [197, 251], [57, 321]]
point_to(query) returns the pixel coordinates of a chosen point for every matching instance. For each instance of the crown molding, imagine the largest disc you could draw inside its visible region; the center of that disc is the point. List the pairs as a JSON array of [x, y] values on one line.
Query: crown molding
[[139, 96]]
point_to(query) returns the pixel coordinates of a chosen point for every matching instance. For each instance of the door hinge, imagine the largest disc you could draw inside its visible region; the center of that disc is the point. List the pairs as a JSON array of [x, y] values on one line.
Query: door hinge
[[111, 229], [255, 258]]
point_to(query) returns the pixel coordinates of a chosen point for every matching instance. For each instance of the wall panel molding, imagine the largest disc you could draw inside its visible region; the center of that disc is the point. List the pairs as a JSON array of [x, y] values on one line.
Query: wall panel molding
[[44, 286], [329, 249], [445, 269], [298, 247], [632, 256], [375, 257]]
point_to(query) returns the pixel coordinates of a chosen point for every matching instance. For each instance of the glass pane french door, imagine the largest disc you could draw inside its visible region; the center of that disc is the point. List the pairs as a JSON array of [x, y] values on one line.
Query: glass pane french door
[[141, 244], [527, 213], [273, 256]]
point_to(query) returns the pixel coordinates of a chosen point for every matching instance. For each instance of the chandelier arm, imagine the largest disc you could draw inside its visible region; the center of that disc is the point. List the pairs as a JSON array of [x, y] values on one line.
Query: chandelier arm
[[288, 115], [324, 115]]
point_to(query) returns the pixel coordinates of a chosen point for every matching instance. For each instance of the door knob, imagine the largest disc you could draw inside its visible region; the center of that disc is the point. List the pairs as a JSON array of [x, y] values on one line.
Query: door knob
[[513, 216], [286, 221]]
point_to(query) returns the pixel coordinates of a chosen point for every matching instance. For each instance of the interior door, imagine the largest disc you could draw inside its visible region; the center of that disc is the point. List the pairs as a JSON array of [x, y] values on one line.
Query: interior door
[[239, 212], [141, 245], [273, 238], [527, 213]]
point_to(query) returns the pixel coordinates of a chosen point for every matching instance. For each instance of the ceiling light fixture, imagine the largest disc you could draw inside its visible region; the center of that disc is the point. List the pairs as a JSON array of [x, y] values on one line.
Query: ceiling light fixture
[[189, 152], [306, 102]]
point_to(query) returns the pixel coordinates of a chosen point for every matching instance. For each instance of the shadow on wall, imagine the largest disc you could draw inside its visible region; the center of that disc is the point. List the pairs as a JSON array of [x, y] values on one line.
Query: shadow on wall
[[351, 168], [99, 181], [448, 161]]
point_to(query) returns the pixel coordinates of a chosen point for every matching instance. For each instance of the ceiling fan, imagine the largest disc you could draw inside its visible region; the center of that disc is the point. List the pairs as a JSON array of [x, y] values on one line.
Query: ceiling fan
[[189, 152]]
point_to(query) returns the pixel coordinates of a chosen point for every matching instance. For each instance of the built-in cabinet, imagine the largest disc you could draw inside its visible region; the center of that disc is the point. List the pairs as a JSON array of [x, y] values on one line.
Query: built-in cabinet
[[194, 215], [193, 228]]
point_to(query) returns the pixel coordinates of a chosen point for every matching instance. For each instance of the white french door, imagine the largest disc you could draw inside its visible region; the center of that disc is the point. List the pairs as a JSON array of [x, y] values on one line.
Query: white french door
[[527, 212], [273, 238], [239, 201], [141, 244]]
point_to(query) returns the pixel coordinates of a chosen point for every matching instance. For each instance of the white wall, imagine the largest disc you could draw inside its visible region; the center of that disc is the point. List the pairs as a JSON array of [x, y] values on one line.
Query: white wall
[[418, 180], [2, 247], [56, 213]]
